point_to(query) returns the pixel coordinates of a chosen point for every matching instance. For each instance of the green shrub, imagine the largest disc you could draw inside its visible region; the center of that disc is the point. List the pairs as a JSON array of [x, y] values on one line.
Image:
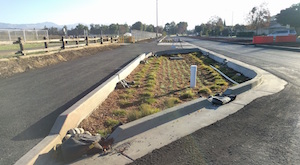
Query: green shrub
[[130, 91], [150, 100], [205, 90], [171, 102], [119, 112], [125, 96], [133, 115], [215, 87], [221, 82], [151, 76], [147, 94], [124, 102], [104, 132], [111, 123], [147, 109], [149, 89], [218, 77], [187, 94]]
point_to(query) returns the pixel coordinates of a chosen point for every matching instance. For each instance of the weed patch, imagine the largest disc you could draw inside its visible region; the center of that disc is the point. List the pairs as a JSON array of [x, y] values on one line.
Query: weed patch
[[119, 112], [171, 102]]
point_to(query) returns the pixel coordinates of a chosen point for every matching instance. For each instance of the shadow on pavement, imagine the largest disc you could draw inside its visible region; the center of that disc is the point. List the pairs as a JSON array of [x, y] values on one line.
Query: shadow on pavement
[[42, 127]]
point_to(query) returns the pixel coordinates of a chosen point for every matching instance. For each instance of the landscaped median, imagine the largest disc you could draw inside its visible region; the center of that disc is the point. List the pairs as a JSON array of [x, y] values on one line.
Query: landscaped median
[[159, 84]]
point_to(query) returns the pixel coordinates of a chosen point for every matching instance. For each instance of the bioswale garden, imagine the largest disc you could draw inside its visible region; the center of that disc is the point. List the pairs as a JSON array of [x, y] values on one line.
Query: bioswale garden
[[157, 84]]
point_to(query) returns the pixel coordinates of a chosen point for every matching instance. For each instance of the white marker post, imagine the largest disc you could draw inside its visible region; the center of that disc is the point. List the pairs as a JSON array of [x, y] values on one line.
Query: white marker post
[[193, 76]]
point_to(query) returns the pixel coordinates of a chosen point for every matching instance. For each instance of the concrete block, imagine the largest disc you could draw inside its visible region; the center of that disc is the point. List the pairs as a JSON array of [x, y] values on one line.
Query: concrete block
[[84, 107], [123, 73]]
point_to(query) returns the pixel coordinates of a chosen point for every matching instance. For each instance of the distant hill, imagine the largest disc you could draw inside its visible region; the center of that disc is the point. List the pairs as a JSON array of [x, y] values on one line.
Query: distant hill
[[33, 26]]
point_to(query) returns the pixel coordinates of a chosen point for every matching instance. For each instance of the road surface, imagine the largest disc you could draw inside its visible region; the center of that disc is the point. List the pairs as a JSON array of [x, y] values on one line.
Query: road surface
[[31, 101], [266, 131]]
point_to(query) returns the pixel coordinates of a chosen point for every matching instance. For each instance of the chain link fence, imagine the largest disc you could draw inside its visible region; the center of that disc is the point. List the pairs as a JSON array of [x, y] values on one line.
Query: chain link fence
[[26, 35], [142, 35]]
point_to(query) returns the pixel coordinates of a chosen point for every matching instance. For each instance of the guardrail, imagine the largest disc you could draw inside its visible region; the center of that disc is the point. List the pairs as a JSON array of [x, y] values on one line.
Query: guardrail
[[65, 43]]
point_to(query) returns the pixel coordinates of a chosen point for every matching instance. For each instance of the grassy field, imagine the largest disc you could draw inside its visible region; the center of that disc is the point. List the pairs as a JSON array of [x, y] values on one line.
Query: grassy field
[[159, 84]]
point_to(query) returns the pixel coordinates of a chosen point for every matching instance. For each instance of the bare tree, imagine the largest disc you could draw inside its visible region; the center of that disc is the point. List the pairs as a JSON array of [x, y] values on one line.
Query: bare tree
[[259, 17]]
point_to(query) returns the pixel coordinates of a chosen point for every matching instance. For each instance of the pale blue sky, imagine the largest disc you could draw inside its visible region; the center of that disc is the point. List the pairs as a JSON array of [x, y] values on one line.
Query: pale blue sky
[[129, 11]]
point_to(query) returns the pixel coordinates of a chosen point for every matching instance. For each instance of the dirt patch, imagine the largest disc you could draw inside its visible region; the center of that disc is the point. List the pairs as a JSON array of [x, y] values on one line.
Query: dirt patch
[[11, 66], [159, 84]]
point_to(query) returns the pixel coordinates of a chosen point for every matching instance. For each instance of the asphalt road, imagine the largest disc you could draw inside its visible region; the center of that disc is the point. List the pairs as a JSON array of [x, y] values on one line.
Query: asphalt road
[[266, 131], [30, 102]]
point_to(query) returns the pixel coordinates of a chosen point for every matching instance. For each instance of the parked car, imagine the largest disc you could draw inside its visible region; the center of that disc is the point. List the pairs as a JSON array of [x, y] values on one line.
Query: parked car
[[287, 32], [127, 34]]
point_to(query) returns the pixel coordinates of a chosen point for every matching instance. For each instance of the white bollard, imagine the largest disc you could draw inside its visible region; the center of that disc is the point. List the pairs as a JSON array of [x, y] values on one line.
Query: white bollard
[[193, 76]]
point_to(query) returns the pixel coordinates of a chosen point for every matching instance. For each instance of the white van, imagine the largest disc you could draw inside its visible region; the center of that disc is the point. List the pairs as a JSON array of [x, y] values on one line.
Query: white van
[[288, 32]]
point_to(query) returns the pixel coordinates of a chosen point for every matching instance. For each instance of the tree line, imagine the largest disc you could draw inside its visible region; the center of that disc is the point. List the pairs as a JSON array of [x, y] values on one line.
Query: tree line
[[119, 29], [258, 17]]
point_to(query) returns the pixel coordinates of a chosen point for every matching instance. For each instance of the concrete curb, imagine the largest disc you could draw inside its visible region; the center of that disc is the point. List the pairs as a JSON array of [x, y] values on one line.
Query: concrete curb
[[279, 47], [79, 111], [245, 69], [141, 125]]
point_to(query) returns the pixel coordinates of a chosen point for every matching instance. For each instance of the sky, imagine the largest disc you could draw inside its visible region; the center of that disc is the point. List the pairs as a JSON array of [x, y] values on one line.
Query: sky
[[194, 12]]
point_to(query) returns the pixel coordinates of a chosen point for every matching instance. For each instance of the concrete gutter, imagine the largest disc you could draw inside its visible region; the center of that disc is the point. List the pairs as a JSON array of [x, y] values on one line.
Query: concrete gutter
[[162, 39], [79, 111], [140, 137], [177, 51], [279, 47]]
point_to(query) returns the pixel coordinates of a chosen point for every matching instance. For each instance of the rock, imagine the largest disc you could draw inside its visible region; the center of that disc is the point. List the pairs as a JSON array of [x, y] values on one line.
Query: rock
[[87, 132], [220, 100], [67, 136], [130, 82], [238, 74], [77, 130], [72, 132], [176, 58], [81, 130], [144, 62]]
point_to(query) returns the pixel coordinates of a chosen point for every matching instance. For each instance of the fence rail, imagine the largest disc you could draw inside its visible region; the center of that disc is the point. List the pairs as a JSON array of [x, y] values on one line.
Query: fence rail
[[65, 43]]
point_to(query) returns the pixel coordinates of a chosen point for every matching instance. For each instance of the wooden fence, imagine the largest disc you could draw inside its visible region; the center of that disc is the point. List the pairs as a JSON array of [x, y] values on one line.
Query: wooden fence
[[65, 43]]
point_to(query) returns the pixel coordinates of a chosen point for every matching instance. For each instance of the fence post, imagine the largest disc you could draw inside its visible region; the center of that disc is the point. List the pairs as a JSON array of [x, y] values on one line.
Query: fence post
[[76, 40], [9, 35], [24, 35], [111, 39], [46, 43], [63, 42], [95, 41], [87, 41], [21, 45]]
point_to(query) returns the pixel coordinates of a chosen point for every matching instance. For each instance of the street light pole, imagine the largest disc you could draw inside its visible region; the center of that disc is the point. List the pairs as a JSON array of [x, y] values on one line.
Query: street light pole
[[156, 19]]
